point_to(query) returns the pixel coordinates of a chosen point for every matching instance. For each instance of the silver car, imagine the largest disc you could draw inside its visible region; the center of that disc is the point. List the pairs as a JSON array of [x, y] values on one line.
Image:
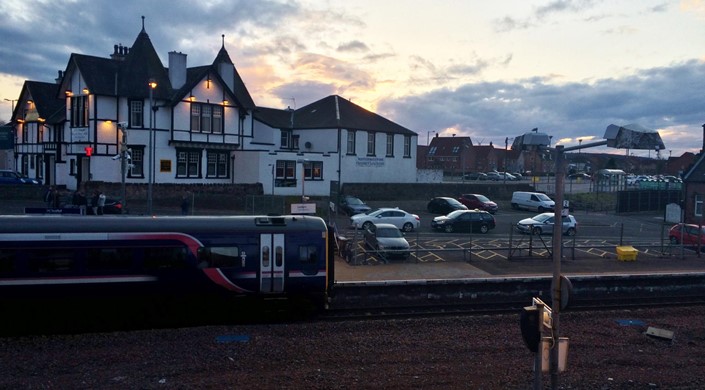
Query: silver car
[[543, 224], [387, 240], [395, 216]]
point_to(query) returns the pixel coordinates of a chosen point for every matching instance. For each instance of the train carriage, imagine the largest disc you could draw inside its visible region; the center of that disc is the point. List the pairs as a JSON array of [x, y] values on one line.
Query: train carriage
[[273, 256]]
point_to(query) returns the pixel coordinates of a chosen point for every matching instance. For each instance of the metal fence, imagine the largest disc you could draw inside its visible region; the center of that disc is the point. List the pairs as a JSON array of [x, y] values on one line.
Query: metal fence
[[646, 200]]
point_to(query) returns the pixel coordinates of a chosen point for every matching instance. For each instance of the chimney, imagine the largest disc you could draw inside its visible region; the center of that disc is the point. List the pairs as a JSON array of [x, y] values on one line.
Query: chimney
[[703, 148], [60, 78], [177, 69], [118, 52]]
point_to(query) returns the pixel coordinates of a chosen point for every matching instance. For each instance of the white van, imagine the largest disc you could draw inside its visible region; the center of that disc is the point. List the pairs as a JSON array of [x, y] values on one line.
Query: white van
[[534, 201]]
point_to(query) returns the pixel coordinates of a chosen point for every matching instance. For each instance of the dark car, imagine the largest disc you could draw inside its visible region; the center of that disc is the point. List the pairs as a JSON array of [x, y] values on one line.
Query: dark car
[[475, 176], [478, 201], [11, 177], [351, 205], [388, 240], [581, 176], [112, 206], [476, 221], [691, 236], [444, 205]]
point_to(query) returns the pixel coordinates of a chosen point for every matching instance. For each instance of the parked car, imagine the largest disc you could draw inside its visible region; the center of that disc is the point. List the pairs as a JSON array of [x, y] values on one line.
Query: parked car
[[493, 176], [395, 216], [543, 224], [507, 176], [351, 205], [11, 177], [112, 206], [476, 221], [478, 201], [690, 237], [581, 176], [475, 176], [444, 205], [518, 175], [387, 239]]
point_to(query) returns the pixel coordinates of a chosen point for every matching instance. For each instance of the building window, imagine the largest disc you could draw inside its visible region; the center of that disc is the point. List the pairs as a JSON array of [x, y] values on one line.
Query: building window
[[40, 166], [371, 143], [285, 173], [390, 145], [23, 130], [25, 165], [188, 163], [217, 119], [137, 161], [351, 142], [217, 164], [295, 142], [407, 146], [136, 113], [313, 170], [206, 118], [698, 205], [79, 111], [285, 139]]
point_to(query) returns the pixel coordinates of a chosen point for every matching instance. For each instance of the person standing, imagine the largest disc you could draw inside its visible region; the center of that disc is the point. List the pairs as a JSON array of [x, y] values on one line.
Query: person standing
[[101, 203], [94, 202], [50, 197], [186, 203], [80, 201]]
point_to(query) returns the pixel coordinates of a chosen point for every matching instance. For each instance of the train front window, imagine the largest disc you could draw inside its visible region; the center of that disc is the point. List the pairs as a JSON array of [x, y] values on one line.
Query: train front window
[[308, 254]]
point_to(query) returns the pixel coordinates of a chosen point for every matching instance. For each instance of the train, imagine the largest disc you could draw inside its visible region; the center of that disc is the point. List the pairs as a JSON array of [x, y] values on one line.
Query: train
[[248, 256]]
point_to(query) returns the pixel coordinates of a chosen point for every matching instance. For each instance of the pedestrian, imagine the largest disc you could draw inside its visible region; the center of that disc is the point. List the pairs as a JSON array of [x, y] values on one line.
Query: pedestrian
[[101, 203], [50, 196], [80, 201], [185, 203], [94, 202]]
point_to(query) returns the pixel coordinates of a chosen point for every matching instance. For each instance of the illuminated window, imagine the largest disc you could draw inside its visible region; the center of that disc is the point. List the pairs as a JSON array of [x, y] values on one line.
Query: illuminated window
[[390, 145]]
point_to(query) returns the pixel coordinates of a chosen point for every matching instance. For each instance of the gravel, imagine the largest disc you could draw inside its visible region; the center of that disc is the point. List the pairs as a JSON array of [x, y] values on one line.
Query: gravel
[[608, 350]]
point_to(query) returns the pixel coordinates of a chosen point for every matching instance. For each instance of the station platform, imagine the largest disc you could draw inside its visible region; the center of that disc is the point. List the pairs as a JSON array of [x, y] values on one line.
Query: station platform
[[408, 270]]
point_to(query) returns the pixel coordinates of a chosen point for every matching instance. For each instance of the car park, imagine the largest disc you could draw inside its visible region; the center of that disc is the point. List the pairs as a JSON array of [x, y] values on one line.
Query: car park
[[534, 201], [687, 234], [351, 205], [387, 240], [543, 224], [444, 205], [12, 177], [476, 221], [478, 201], [401, 219]]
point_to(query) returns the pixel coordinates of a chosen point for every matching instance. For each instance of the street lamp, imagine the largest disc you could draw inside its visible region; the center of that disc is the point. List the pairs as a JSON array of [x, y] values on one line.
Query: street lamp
[[632, 136], [152, 85], [12, 106]]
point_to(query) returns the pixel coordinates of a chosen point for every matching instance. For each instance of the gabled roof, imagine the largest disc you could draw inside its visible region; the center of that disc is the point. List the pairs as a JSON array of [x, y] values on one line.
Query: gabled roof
[[129, 75], [696, 173], [335, 112], [48, 107], [449, 146]]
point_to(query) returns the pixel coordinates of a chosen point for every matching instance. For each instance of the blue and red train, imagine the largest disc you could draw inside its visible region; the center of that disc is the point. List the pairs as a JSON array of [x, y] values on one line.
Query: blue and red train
[[74, 256]]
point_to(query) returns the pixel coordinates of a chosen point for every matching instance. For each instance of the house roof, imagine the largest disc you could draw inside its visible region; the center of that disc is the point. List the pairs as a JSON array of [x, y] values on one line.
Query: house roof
[[274, 118], [449, 146], [336, 112], [129, 74], [48, 107], [696, 173]]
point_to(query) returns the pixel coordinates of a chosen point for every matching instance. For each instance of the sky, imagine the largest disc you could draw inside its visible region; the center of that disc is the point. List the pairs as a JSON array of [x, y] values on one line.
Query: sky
[[487, 70]]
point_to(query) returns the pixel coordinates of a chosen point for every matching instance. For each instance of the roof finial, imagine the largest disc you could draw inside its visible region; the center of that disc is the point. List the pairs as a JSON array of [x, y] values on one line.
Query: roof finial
[[142, 22], [223, 38]]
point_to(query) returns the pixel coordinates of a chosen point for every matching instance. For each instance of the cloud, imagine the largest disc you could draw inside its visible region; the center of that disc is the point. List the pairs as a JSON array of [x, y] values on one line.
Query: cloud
[[659, 98]]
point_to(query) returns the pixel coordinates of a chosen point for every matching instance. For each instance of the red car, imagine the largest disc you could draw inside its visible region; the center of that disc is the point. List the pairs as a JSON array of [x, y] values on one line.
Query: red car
[[690, 237], [477, 201]]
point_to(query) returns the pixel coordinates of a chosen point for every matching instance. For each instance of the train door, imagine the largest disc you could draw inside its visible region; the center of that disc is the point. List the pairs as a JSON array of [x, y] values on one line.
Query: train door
[[271, 254]]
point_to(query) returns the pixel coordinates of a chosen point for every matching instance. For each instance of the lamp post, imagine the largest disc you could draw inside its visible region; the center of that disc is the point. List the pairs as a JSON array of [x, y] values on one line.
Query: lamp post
[[303, 163], [152, 85], [124, 153], [12, 106], [622, 137]]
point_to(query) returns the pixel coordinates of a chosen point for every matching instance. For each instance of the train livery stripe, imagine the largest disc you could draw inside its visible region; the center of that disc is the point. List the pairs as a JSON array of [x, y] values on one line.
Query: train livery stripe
[[299, 274], [77, 280], [191, 242], [217, 277]]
